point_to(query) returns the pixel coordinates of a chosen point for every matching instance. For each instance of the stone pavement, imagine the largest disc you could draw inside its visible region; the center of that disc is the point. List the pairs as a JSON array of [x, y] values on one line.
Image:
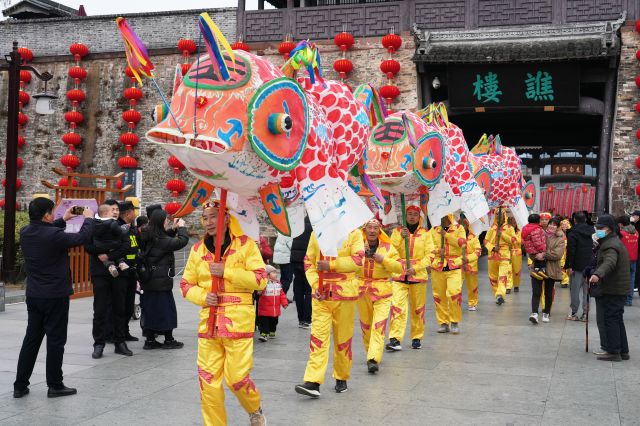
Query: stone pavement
[[500, 370]]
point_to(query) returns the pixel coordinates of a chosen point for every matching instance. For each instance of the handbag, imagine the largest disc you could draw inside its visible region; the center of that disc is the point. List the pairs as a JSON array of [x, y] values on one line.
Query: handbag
[[144, 270]]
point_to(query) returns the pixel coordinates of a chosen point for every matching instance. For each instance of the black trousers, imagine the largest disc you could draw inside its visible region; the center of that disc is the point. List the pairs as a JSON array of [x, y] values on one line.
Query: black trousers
[[301, 293], [536, 287], [614, 340], [267, 325], [286, 276], [46, 317], [129, 300], [107, 289]]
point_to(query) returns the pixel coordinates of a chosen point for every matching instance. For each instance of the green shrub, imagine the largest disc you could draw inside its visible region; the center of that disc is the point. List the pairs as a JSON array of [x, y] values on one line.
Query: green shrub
[[22, 219]]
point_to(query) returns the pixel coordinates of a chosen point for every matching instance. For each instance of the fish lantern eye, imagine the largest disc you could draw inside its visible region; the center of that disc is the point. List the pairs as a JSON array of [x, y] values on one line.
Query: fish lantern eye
[[279, 123]]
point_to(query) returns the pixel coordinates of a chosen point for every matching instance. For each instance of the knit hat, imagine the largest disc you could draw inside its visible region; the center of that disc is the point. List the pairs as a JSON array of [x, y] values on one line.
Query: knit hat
[[270, 269], [608, 221], [635, 213]]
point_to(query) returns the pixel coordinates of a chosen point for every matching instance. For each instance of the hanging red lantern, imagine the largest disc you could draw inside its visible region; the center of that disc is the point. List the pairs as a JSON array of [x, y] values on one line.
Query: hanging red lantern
[[78, 50], [22, 119], [21, 141], [2, 203], [25, 54], [391, 42], [343, 67], [344, 41], [76, 95], [638, 25], [127, 162], [23, 97], [638, 55], [18, 183], [25, 76], [240, 45], [73, 139], [129, 138], [285, 48], [550, 188], [73, 117], [638, 162], [185, 68], [119, 184], [389, 92], [175, 163], [584, 188], [131, 116], [133, 93], [70, 161], [638, 134], [77, 73], [638, 189], [65, 182], [172, 207], [390, 67], [176, 185], [187, 46], [637, 106], [129, 72], [19, 163]]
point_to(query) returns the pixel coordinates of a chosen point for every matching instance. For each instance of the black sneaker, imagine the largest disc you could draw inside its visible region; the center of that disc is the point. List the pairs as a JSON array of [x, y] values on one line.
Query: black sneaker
[[372, 366], [305, 325], [516, 289], [416, 344], [508, 291], [61, 391], [499, 300], [152, 344], [394, 345], [172, 344], [19, 393], [311, 389], [130, 338], [341, 386]]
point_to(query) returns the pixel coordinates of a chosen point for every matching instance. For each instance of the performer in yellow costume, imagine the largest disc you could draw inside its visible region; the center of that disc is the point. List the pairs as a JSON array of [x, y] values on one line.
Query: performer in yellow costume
[[335, 293], [499, 242], [566, 226], [516, 256], [470, 265], [449, 241], [227, 318], [380, 265], [410, 289]]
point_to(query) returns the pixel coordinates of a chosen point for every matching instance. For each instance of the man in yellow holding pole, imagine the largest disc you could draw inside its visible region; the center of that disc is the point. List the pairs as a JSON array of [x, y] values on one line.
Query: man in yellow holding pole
[[516, 256], [499, 241], [470, 265]]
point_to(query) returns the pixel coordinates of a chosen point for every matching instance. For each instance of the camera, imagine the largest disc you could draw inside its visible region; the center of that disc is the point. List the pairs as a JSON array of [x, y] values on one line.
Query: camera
[[77, 210]]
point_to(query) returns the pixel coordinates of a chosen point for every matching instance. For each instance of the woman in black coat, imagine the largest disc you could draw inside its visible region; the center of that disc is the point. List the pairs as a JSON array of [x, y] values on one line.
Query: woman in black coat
[[159, 314]]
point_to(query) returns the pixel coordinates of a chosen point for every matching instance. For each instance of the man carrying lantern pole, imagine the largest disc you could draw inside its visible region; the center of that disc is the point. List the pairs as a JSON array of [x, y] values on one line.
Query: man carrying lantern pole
[[335, 293], [499, 242], [516, 256], [410, 289], [470, 264]]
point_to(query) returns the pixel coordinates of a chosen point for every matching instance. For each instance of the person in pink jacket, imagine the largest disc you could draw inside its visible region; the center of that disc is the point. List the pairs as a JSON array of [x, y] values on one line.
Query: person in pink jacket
[[271, 298]]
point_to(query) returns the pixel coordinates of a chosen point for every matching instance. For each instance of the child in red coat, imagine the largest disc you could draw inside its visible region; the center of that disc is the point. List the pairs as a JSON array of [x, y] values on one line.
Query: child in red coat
[[271, 298]]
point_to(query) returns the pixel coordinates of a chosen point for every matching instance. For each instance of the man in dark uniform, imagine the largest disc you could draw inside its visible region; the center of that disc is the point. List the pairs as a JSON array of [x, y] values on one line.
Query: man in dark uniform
[[130, 253]]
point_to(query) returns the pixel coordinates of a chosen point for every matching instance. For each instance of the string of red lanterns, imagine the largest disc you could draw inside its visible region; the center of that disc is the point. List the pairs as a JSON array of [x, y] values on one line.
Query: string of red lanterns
[[390, 68], [342, 65], [187, 47], [132, 117], [175, 185]]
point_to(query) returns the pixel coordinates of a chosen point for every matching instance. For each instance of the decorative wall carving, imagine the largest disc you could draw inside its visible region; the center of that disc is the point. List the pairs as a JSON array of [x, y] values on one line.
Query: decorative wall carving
[[435, 14], [265, 25], [593, 10], [361, 20], [494, 13]]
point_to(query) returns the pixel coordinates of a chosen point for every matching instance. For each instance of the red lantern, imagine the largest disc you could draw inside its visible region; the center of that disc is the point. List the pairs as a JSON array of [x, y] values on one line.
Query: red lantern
[[550, 188], [129, 138], [21, 141], [25, 54], [119, 184], [390, 67], [638, 55], [2, 203], [175, 163], [131, 116], [76, 95], [584, 188], [185, 68], [77, 73], [22, 119], [391, 42], [19, 163], [638, 189], [240, 45], [73, 139], [285, 48], [389, 92], [638, 162], [637, 106], [133, 93], [172, 207], [638, 25], [176, 185], [187, 46], [344, 41], [638, 134], [70, 161], [127, 162], [73, 117], [25, 76], [343, 67], [78, 50], [23, 97], [129, 72], [65, 182], [18, 183]]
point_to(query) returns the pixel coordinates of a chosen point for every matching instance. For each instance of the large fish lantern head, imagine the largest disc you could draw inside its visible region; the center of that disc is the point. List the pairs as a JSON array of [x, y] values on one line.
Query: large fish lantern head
[[238, 133]]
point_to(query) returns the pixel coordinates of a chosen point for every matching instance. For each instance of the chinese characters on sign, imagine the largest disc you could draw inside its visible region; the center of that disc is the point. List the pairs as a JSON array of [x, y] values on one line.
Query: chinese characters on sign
[[487, 89], [539, 86], [568, 169]]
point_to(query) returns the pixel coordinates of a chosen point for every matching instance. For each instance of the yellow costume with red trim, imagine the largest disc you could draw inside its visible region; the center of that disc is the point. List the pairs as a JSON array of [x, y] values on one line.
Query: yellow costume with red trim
[[411, 292], [516, 259], [446, 272], [374, 280], [565, 277], [470, 269], [500, 269], [338, 309], [225, 331]]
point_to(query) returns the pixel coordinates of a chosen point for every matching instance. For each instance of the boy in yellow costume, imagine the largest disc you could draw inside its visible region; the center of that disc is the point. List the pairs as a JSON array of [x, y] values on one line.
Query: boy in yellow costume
[[499, 241], [224, 290], [565, 225], [470, 264], [335, 293], [410, 289], [449, 242], [380, 265], [516, 256]]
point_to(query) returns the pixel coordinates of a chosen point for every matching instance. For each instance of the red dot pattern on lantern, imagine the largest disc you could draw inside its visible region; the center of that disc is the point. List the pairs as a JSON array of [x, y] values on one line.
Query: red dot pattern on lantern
[[127, 162], [26, 54], [241, 45], [172, 207], [285, 48]]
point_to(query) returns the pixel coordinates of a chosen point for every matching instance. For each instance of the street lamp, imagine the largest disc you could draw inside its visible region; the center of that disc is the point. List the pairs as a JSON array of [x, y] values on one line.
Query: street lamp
[[43, 106]]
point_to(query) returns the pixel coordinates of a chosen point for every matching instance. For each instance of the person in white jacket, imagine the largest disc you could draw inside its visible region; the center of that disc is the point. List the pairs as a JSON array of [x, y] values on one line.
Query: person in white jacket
[[282, 258]]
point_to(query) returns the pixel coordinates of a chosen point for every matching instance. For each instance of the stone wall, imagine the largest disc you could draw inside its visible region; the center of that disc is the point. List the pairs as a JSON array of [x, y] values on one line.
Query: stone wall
[[626, 147]]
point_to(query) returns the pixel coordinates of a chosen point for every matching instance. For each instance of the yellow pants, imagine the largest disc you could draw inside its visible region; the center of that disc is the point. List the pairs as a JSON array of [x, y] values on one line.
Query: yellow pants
[[471, 279], [328, 315], [565, 279], [233, 359], [406, 296], [447, 295], [500, 276], [516, 269], [373, 321]]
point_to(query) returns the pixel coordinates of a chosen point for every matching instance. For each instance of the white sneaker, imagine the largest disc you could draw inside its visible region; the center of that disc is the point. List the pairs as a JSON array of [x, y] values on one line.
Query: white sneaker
[[472, 308], [257, 418], [545, 318], [113, 271], [533, 318]]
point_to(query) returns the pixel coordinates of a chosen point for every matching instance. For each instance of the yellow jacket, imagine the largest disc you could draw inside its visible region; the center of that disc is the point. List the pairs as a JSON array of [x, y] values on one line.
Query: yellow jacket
[[516, 250], [474, 250], [375, 278], [420, 250], [507, 239], [244, 272], [339, 283], [455, 240]]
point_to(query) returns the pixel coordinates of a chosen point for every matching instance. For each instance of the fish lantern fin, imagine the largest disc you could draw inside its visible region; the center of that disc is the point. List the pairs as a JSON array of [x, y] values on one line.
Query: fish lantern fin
[[274, 206]]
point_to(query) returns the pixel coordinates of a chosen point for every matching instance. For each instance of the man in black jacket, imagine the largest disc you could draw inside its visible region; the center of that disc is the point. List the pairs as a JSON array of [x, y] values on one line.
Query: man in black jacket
[[130, 250], [44, 243], [613, 277], [301, 287], [579, 252]]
